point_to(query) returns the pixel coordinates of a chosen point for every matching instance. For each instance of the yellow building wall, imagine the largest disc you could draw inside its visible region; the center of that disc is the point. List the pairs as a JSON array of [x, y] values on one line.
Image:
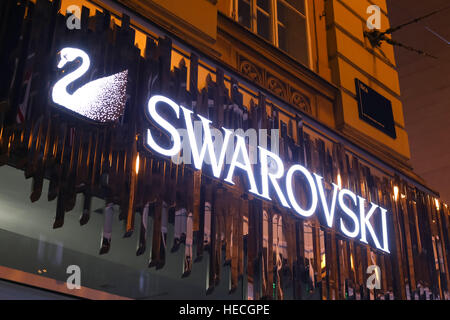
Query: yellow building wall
[[193, 20], [201, 14], [336, 34], [351, 56]]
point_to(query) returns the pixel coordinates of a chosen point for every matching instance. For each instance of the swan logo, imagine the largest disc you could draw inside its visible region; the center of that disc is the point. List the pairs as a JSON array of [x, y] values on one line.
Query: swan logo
[[102, 100]]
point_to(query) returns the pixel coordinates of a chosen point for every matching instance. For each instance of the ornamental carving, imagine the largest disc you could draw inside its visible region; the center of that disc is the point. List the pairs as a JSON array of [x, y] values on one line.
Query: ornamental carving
[[300, 101], [272, 83], [251, 71], [277, 87]]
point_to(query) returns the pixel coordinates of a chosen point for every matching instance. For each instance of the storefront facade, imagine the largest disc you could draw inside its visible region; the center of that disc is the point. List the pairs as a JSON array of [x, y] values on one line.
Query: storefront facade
[[305, 191]]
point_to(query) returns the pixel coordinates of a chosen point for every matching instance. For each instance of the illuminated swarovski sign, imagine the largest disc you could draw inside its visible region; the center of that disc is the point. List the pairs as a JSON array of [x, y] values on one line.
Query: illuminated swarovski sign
[[283, 183], [103, 100]]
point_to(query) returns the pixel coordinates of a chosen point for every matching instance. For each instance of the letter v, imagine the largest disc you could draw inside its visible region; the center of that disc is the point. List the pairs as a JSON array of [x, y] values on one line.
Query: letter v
[[207, 144], [329, 212]]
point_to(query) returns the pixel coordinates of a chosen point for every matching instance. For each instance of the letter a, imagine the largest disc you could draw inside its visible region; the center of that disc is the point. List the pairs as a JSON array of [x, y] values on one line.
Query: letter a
[[374, 21], [374, 281], [73, 22], [74, 280]]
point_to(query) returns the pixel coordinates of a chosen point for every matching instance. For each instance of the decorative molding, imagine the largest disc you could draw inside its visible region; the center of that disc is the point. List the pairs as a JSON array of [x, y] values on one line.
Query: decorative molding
[[240, 39], [301, 101], [276, 86], [251, 71], [273, 83]]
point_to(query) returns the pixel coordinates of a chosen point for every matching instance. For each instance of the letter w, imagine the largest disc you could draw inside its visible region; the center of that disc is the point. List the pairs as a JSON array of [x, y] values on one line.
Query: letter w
[[207, 144]]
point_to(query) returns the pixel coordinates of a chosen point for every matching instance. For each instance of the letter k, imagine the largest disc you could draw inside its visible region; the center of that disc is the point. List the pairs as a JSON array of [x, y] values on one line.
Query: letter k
[[365, 222]]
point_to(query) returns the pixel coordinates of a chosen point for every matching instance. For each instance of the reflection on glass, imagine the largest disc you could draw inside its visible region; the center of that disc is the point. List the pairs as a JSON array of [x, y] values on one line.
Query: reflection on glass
[[297, 4], [292, 33], [323, 265], [41, 252], [263, 25], [309, 256], [264, 4], [280, 250], [244, 13], [265, 245]]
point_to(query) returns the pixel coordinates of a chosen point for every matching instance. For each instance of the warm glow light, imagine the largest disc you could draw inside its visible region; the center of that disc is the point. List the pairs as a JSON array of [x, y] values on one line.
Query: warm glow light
[[323, 263], [403, 196], [436, 201], [395, 193], [339, 181], [137, 164], [351, 262]]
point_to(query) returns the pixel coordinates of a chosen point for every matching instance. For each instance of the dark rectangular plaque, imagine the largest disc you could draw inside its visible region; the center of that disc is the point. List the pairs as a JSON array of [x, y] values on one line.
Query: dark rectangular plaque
[[375, 109]]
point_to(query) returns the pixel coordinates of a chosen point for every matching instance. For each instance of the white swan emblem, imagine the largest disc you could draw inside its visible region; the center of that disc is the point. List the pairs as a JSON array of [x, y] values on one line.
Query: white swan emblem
[[101, 100]]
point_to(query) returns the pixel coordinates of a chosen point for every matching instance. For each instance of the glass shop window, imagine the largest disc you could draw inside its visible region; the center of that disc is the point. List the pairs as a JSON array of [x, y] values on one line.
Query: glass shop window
[[41, 254], [280, 22]]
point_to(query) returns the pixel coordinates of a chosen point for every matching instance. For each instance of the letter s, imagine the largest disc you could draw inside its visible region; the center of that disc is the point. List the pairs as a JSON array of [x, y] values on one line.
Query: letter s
[[165, 125], [349, 212]]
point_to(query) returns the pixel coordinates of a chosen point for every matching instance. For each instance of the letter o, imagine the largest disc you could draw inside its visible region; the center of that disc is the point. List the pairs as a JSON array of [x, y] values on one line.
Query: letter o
[[292, 200]]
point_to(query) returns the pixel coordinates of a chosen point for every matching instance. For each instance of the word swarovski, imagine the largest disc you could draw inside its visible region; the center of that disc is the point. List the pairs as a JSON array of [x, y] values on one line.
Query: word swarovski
[[272, 173]]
